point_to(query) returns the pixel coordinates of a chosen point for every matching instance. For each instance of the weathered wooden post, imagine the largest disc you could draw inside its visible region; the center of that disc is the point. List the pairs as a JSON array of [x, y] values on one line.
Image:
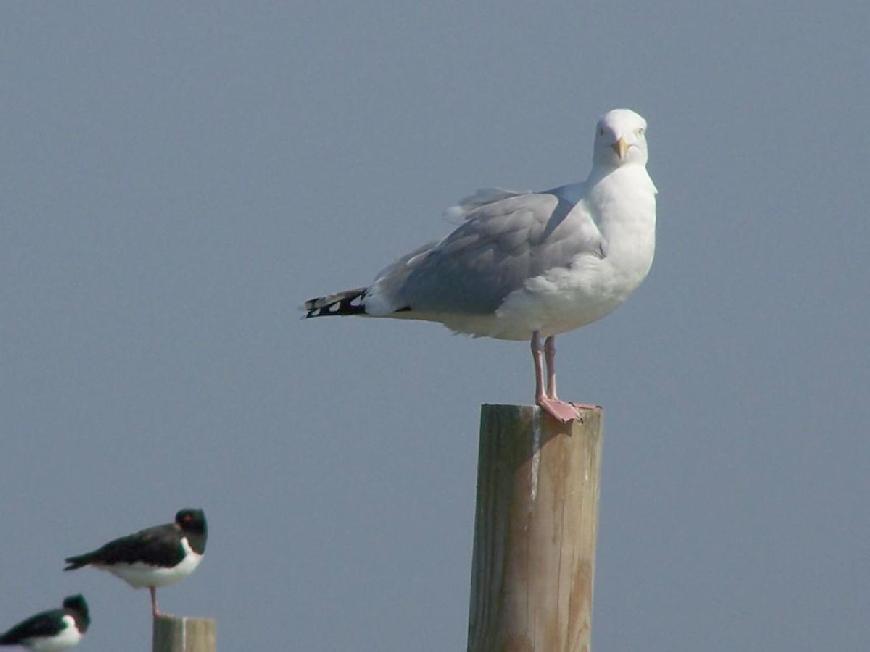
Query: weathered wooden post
[[534, 531], [182, 634]]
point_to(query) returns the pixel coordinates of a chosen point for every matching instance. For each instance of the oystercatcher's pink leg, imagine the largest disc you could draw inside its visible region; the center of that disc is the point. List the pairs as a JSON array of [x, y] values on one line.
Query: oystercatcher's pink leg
[[154, 610]]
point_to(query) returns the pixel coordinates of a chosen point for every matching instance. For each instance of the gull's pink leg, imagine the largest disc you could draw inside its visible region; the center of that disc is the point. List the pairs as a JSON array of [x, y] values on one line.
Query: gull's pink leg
[[557, 409], [550, 357], [154, 611]]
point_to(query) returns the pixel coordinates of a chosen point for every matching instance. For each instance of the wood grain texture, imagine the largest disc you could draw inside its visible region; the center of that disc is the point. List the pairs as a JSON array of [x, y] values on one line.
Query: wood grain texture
[[534, 532], [181, 634]]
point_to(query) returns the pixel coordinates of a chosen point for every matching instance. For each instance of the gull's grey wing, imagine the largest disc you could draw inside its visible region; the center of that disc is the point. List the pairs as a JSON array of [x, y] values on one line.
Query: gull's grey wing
[[467, 205], [501, 245]]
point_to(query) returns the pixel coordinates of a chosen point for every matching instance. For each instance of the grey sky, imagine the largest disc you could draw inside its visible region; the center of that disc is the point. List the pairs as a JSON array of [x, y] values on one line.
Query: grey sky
[[177, 180]]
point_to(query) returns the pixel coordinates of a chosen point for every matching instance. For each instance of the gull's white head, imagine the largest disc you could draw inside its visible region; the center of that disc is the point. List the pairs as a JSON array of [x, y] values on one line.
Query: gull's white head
[[620, 139]]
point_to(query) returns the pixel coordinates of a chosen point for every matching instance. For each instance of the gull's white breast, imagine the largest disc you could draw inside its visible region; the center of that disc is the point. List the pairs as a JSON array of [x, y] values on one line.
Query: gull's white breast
[[591, 286]]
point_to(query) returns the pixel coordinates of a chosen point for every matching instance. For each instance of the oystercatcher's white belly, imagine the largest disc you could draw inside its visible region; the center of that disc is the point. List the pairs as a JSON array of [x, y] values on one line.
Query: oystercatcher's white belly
[[67, 637]]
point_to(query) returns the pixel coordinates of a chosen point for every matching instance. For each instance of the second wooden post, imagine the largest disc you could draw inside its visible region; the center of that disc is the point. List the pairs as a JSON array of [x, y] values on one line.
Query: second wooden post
[[183, 634], [534, 533]]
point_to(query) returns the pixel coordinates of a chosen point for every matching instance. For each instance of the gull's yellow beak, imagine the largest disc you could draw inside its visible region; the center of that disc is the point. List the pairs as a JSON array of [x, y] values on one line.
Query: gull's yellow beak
[[620, 147]]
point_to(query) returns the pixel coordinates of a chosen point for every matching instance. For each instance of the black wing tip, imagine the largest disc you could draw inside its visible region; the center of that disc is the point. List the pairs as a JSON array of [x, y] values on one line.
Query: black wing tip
[[312, 307], [349, 302]]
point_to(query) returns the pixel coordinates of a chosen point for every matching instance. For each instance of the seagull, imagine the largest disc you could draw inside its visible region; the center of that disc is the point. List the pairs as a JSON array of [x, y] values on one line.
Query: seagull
[[52, 630], [156, 556], [530, 265]]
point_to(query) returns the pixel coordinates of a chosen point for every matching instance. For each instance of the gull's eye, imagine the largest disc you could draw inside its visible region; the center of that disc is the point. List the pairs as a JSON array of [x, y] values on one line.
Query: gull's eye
[[640, 131]]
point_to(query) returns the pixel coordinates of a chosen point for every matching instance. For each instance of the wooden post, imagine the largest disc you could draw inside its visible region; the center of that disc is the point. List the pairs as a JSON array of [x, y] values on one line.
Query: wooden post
[[534, 531], [182, 634]]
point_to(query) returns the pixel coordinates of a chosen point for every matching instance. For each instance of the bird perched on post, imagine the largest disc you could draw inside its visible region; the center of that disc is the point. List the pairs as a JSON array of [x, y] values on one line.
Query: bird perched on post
[[52, 630], [156, 556], [530, 265]]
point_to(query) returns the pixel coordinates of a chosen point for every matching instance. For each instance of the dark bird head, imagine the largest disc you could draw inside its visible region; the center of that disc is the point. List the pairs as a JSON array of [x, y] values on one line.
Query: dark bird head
[[192, 523], [77, 605]]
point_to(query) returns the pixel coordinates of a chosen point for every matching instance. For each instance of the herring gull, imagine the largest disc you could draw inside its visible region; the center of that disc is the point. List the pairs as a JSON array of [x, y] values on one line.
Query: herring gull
[[530, 265]]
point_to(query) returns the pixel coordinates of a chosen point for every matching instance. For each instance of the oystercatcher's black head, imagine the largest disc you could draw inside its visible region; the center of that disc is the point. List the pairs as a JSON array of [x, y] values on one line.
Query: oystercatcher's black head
[[77, 604], [191, 521]]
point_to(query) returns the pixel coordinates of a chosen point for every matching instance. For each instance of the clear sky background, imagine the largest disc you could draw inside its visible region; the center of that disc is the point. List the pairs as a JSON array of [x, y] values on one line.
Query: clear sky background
[[176, 179]]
